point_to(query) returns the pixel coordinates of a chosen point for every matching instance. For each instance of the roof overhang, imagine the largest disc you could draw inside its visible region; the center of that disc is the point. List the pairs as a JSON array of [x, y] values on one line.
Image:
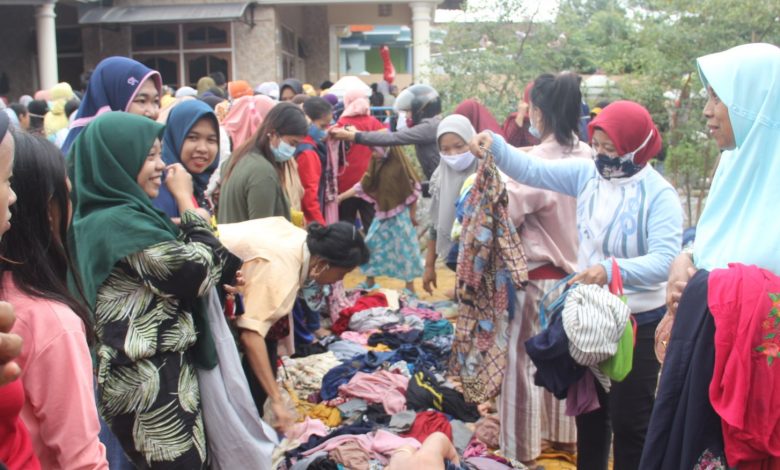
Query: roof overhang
[[145, 14]]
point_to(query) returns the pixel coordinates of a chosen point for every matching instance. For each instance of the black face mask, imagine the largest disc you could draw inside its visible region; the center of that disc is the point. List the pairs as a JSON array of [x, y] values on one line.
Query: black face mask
[[616, 167], [620, 167]]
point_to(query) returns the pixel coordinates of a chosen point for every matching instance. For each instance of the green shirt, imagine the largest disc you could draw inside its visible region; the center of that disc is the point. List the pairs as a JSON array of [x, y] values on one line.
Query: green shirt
[[252, 191]]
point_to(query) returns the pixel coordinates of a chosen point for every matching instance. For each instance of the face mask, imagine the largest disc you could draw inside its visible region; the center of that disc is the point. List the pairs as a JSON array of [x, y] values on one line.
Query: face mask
[[316, 133], [458, 162], [283, 151], [401, 121], [315, 295], [534, 131], [620, 167]]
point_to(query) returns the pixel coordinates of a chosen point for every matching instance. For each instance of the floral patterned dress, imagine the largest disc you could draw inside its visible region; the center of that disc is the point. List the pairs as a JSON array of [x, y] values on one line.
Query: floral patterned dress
[[147, 385]]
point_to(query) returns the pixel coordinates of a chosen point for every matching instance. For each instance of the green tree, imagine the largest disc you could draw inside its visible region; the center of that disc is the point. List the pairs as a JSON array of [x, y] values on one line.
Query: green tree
[[649, 47]]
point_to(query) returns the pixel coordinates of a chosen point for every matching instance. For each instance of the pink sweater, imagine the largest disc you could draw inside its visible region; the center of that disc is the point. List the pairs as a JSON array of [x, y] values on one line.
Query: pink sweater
[[547, 220], [59, 409]]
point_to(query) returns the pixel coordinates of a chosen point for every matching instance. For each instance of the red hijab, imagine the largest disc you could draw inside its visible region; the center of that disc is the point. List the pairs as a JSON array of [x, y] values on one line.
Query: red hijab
[[628, 125], [479, 116]]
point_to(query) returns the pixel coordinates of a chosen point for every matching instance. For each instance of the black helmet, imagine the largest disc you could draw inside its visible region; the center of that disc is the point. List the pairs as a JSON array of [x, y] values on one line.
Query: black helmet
[[421, 100]]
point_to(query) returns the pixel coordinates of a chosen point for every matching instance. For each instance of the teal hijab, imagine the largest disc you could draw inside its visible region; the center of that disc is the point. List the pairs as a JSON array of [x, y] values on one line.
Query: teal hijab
[[741, 222], [112, 216]]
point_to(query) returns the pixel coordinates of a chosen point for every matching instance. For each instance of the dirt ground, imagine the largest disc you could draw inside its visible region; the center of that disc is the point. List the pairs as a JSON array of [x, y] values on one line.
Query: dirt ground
[[445, 279]]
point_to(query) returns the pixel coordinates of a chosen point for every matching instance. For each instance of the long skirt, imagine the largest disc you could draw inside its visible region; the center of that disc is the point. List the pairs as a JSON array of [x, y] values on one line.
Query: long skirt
[[395, 251], [529, 413]]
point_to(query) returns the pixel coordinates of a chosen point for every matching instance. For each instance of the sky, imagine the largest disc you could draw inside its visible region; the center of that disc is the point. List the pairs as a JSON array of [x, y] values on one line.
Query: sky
[[492, 10]]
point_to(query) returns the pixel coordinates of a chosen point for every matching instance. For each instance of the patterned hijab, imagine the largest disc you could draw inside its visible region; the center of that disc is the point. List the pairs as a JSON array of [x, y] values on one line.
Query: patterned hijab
[[108, 201]]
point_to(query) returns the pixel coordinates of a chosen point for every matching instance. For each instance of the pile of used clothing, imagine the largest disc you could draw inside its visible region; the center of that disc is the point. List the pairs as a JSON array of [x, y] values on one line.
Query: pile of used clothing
[[379, 386]]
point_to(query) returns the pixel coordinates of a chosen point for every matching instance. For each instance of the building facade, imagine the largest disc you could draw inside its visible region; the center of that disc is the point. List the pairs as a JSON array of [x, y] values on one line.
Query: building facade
[[47, 41]]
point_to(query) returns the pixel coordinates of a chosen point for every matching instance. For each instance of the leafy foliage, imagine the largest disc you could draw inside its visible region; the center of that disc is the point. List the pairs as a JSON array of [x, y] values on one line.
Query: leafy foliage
[[649, 47]]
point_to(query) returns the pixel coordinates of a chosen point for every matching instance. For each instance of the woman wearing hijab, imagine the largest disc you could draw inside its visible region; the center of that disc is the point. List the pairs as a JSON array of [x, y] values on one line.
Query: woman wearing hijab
[[238, 89], [727, 285], [545, 221], [289, 88], [205, 84], [392, 186], [357, 115], [144, 287], [626, 213], [517, 126], [117, 84], [479, 116], [455, 166], [57, 119], [191, 138], [245, 117]]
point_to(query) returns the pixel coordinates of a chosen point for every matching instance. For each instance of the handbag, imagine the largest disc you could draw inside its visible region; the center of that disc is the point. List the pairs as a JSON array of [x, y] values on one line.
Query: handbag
[[618, 366]]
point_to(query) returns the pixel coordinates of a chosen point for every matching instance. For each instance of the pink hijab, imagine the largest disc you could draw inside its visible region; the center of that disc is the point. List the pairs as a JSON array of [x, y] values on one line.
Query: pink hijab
[[356, 103], [245, 117]]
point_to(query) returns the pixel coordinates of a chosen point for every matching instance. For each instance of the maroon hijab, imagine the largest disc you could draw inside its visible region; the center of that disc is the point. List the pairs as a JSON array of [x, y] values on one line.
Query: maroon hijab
[[517, 136], [479, 116]]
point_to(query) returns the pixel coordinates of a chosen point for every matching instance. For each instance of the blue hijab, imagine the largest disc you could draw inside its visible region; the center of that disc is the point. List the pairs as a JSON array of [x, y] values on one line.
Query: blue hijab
[[740, 222], [112, 87], [181, 119]]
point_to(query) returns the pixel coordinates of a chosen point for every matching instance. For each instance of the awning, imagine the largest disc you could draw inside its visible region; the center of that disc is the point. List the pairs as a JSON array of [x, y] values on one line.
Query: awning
[[166, 13]]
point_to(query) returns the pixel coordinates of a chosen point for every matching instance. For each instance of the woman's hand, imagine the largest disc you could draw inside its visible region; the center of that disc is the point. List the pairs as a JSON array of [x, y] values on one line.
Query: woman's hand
[[178, 181], [238, 283], [595, 274], [10, 345], [429, 279], [340, 133], [480, 143], [284, 419], [680, 273]]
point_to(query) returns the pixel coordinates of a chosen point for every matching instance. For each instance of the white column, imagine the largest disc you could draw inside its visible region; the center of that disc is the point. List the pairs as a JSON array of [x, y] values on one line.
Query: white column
[[333, 54], [47, 45], [421, 38]]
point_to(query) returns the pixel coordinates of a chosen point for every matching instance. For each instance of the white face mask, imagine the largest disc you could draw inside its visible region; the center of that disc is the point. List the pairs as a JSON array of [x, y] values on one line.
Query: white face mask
[[458, 162], [401, 121]]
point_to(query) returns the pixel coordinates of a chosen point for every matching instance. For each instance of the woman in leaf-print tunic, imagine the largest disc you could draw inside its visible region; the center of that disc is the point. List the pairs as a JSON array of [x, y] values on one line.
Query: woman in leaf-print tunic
[[143, 276]]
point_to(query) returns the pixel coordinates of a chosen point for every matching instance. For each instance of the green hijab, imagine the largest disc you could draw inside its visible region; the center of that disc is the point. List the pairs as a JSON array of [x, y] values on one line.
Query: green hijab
[[112, 216]]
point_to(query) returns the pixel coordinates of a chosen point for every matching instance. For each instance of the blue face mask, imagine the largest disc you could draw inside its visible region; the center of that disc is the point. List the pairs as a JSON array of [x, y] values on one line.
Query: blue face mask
[[315, 295], [283, 151], [316, 133]]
